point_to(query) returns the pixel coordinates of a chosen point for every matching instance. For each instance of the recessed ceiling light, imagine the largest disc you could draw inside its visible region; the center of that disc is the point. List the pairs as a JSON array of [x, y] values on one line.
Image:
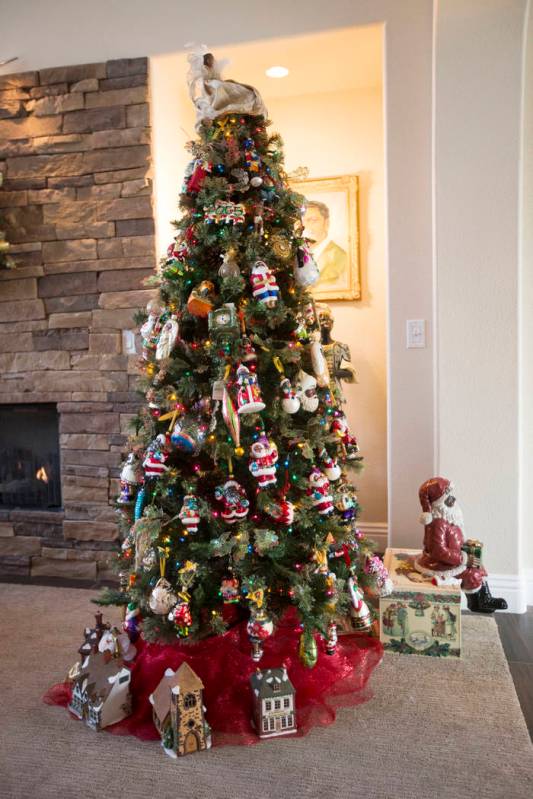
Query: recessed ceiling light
[[277, 72]]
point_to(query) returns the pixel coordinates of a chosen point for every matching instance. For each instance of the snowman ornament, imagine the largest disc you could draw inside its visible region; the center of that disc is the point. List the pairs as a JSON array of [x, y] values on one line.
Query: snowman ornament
[[318, 489], [264, 286], [263, 461]]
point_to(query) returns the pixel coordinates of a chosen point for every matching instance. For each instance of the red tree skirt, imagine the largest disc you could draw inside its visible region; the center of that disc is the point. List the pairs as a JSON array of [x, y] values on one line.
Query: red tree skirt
[[224, 665]]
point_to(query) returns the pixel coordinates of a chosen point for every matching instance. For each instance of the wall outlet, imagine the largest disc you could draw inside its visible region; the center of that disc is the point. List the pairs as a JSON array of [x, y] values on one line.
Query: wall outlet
[[416, 333]]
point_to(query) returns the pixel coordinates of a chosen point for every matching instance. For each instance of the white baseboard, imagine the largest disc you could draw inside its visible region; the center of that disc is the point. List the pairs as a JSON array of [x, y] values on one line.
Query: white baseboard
[[517, 589], [377, 532]]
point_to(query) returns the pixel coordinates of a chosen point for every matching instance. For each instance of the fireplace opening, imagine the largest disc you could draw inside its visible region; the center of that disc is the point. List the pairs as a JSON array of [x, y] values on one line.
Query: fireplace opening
[[29, 457]]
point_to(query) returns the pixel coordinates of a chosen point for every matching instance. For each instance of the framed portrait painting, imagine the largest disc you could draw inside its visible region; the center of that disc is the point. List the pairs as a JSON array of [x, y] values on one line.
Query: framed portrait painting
[[331, 223]]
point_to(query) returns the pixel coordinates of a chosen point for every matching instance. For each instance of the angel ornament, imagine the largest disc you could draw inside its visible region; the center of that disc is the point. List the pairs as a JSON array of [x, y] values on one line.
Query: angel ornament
[[213, 96], [167, 338]]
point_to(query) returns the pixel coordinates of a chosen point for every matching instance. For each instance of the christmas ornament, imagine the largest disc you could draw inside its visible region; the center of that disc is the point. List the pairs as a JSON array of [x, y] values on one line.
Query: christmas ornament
[[264, 540], [331, 468], [379, 576], [307, 649], [187, 435], [281, 510], [242, 179], [180, 614], [247, 351], [224, 325], [318, 361], [189, 514], [144, 531], [167, 338], [229, 267], [150, 329], [264, 286], [289, 401], [162, 598], [248, 396], [259, 227], [339, 427], [359, 612], [263, 461], [345, 502], [280, 246], [260, 625], [225, 212], [233, 497], [131, 477], [306, 391], [306, 271], [154, 463], [230, 590], [200, 169], [331, 640], [132, 622], [256, 181], [201, 299], [231, 417], [318, 491]]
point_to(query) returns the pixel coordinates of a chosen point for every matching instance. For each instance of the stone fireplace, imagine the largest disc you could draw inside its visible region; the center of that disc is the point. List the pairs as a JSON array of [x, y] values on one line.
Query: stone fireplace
[[76, 207]]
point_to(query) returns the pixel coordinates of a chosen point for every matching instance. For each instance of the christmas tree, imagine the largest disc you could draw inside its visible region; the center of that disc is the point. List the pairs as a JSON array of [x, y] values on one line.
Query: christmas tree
[[235, 497]]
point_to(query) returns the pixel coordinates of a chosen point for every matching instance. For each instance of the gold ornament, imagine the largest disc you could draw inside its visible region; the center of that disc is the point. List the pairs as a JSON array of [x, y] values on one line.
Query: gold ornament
[[281, 246], [307, 649]]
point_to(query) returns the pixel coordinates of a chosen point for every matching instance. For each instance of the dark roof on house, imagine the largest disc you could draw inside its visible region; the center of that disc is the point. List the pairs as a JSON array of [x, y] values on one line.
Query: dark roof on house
[[264, 680]]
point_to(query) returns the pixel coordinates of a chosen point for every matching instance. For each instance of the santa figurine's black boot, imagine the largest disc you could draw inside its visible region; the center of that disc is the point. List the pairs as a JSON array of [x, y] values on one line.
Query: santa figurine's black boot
[[483, 601]]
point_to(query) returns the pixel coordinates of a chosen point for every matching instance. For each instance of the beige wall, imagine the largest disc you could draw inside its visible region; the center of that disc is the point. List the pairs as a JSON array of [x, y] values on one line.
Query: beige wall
[[334, 134]]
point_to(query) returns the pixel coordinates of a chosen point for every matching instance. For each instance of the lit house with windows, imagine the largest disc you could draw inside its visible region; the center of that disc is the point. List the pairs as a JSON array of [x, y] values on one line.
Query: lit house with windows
[[273, 700], [101, 691], [179, 712]]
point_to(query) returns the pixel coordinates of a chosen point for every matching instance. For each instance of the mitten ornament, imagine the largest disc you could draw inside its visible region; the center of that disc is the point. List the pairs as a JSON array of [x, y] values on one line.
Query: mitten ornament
[[234, 499], [318, 489], [248, 396], [264, 286], [189, 514], [289, 401], [263, 461]]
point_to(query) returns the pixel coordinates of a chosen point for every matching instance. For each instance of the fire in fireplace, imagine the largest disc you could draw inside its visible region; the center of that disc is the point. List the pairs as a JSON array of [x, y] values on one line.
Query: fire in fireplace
[[29, 457]]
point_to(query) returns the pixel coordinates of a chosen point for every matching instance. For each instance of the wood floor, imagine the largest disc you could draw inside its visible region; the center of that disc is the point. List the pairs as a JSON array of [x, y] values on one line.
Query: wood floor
[[516, 633]]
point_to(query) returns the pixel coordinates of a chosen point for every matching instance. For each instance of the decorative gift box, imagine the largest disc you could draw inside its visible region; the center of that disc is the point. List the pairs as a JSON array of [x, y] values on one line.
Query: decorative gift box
[[418, 618]]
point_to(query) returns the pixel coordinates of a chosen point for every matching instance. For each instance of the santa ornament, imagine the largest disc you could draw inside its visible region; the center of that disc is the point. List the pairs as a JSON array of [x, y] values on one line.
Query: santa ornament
[[318, 489], [264, 286], [446, 557], [339, 427], [234, 499], [248, 395], [263, 461], [189, 514], [359, 612], [154, 463]]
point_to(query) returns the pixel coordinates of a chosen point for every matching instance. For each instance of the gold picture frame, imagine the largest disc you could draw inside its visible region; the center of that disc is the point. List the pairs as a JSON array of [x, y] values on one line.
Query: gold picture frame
[[333, 216]]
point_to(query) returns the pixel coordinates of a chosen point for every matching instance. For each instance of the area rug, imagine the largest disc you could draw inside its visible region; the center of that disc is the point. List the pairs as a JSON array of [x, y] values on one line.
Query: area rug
[[451, 729]]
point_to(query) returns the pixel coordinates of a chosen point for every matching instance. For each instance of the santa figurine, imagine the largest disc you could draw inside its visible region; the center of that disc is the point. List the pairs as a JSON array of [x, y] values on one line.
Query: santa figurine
[[236, 504], [248, 396], [189, 514], [263, 461], [264, 286], [359, 612], [446, 557], [318, 489], [339, 426]]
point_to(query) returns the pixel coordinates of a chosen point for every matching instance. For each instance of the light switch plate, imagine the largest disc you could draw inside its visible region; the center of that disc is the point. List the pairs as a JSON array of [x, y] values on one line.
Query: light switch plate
[[128, 342], [416, 333]]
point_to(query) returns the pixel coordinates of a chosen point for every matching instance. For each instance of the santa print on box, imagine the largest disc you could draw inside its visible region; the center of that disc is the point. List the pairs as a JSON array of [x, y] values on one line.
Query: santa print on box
[[446, 557]]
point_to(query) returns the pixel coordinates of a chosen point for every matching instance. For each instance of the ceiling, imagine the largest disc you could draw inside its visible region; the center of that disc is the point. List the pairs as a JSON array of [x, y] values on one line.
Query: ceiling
[[348, 58]]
